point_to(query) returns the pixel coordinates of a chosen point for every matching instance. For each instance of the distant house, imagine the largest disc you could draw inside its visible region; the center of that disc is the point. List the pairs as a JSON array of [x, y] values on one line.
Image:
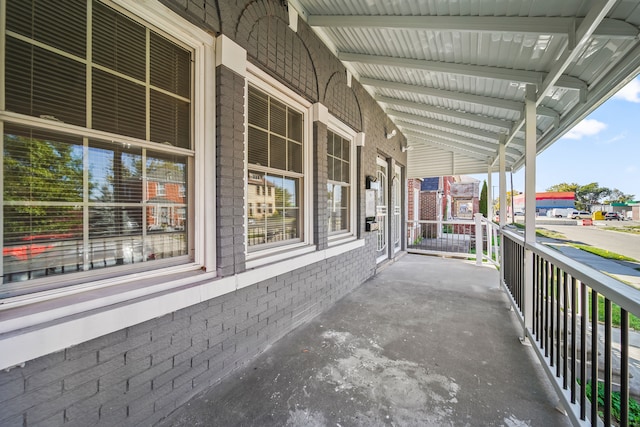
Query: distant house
[[445, 198]]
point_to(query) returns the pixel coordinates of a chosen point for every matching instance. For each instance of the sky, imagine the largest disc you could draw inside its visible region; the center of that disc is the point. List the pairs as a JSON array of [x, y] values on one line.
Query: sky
[[602, 148]]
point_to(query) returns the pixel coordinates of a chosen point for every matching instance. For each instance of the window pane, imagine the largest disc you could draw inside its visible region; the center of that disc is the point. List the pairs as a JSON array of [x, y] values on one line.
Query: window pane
[[345, 150], [42, 84], [278, 153], [258, 108], [330, 137], [337, 170], [170, 121], [118, 43], [115, 173], [295, 157], [41, 166], [170, 66], [40, 241], [258, 149], [58, 24], [289, 193], [256, 196], [118, 105], [345, 172], [278, 116], [338, 207], [295, 125]]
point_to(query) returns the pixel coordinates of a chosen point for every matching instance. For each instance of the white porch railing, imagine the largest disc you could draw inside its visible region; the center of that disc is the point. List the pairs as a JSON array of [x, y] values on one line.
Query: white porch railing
[[575, 339], [456, 238]]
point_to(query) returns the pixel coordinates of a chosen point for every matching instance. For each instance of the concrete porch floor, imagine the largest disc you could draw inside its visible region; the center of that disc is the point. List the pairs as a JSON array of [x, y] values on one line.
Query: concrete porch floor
[[427, 342]]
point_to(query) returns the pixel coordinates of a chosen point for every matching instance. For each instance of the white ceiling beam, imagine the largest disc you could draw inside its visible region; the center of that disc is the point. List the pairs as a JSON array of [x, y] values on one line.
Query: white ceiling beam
[[596, 15], [481, 71], [424, 140], [609, 28], [495, 136], [444, 136], [456, 96], [484, 120], [445, 94]]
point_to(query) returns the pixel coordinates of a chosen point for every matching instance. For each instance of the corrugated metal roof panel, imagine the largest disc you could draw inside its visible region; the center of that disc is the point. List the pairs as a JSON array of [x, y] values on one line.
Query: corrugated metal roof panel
[[478, 52]]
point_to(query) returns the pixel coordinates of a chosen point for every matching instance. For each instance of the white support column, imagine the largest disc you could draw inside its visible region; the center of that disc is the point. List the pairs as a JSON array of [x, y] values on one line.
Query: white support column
[[489, 229], [479, 246], [529, 202], [489, 194], [502, 180]]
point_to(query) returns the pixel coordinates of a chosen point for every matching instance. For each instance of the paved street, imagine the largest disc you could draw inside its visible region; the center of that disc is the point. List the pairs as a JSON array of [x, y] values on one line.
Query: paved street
[[614, 241]]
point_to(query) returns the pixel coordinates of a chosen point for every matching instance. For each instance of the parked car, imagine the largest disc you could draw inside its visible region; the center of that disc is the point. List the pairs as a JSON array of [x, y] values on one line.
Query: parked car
[[579, 215], [610, 216]]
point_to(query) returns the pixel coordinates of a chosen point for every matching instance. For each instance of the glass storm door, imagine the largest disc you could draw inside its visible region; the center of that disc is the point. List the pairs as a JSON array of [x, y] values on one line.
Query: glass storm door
[[382, 216], [396, 200]]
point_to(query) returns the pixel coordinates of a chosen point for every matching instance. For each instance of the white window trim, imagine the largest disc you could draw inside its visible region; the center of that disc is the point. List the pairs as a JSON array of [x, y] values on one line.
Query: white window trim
[[341, 129], [47, 315], [268, 84]]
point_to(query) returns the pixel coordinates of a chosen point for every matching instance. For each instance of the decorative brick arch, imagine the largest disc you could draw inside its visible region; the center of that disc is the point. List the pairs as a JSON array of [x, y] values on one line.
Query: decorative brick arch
[[342, 102], [264, 26]]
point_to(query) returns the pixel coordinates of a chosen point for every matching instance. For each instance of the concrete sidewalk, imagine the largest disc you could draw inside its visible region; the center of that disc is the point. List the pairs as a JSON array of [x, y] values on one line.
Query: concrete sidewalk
[[427, 342], [622, 270]]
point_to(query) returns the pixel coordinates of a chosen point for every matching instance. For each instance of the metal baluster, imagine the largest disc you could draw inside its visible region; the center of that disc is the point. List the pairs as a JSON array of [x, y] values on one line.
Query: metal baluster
[[583, 351], [574, 320], [607, 362], [594, 358], [565, 331], [624, 368]]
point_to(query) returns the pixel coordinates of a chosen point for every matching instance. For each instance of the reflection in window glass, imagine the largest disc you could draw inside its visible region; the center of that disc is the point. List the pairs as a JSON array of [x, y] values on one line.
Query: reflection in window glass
[[275, 176], [50, 230], [72, 203], [276, 217], [338, 187]]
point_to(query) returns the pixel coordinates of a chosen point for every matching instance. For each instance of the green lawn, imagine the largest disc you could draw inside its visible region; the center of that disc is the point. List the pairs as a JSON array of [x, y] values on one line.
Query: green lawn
[[603, 253]]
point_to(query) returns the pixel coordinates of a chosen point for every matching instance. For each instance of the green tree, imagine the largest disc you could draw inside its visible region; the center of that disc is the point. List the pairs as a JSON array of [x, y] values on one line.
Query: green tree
[[591, 194], [39, 172], [618, 196], [483, 200]]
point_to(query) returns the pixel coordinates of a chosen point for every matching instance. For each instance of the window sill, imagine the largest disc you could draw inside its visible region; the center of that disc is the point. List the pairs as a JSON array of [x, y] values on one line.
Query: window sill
[[39, 327], [341, 239], [269, 257]]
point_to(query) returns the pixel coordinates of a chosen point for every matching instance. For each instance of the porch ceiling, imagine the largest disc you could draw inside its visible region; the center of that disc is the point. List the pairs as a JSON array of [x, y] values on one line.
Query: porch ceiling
[[452, 75]]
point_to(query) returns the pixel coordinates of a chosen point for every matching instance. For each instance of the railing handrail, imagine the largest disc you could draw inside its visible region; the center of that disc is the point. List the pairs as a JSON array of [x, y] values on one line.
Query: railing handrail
[[442, 221], [619, 293]]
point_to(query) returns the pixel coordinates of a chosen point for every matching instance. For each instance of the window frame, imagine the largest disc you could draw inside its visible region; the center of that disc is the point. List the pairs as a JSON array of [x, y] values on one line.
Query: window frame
[[341, 129], [201, 250], [267, 253]]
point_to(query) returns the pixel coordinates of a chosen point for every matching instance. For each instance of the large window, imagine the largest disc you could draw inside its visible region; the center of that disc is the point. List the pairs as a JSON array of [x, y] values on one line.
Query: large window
[[338, 183], [275, 150], [97, 142]]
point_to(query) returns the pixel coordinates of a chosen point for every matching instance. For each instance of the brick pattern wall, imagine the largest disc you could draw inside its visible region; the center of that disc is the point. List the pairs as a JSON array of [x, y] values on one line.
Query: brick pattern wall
[[413, 187], [138, 375], [230, 172], [320, 196], [428, 205]]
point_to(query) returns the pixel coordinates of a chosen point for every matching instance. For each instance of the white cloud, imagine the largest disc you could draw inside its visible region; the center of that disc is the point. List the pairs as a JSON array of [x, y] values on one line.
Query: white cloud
[[587, 127], [616, 138], [631, 92]]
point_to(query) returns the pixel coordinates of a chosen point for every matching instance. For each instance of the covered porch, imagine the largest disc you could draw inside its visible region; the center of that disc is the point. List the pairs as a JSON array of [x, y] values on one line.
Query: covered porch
[[428, 341]]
